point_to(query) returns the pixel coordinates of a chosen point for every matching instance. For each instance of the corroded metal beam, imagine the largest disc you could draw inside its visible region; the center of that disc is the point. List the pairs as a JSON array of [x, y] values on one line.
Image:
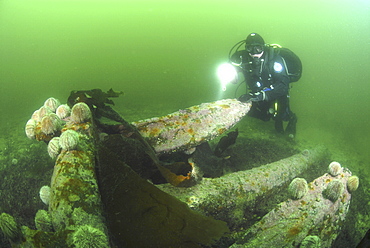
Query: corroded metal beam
[[226, 198], [187, 128], [316, 218]]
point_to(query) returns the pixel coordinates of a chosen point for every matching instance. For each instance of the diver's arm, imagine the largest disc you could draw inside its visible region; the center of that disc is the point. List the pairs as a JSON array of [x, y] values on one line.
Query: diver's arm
[[279, 88]]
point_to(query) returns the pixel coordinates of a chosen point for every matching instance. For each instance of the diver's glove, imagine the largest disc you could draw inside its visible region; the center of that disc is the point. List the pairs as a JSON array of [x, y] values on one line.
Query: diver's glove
[[254, 97]]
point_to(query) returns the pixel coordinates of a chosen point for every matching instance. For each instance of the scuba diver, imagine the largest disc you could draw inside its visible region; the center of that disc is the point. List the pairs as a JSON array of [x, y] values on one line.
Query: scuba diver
[[268, 70]]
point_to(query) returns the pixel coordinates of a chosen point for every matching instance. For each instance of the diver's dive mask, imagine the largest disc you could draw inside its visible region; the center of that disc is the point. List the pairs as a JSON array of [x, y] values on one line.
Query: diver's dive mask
[[255, 48]]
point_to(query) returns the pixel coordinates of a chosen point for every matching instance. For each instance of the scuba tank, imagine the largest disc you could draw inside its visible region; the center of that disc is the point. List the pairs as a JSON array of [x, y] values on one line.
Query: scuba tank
[[291, 61]]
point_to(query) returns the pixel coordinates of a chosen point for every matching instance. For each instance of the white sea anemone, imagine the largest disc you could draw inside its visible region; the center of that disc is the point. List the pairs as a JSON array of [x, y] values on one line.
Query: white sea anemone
[[69, 140], [353, 183], [30, 128], [335, 168], [52, 103], [63, 111], [298, 188], [51, 124], [45, 194], [54, 147], [80, 113]]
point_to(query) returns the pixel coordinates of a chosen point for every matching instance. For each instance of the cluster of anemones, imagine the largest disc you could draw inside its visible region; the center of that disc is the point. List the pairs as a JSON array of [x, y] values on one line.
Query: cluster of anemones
[[56, 124], [336, 187], [52, 121], [334, 180]]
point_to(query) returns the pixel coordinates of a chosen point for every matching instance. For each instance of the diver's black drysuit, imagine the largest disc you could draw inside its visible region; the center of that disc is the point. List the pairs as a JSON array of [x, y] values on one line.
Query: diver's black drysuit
[[268, 82]]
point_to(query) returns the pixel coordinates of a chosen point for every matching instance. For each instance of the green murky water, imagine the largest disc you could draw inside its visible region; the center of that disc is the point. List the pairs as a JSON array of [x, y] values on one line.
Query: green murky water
[[164, 55]]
